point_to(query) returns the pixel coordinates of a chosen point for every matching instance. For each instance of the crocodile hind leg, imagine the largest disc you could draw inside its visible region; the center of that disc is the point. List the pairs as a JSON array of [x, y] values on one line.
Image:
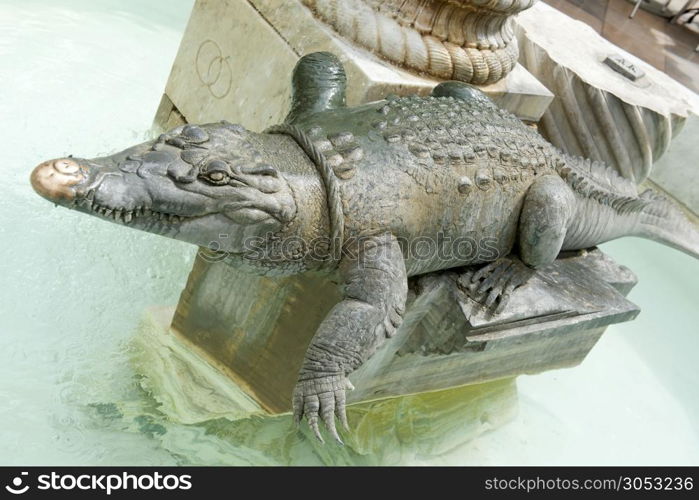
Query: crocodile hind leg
[[546, 212], [492, 284], [375, 291]]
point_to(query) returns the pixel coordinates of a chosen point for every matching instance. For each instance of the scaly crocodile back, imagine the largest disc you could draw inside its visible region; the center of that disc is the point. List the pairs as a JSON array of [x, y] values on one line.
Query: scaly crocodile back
[[453, 132]]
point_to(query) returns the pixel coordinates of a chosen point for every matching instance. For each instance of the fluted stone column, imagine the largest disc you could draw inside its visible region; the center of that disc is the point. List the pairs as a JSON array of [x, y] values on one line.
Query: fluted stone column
[[626, 117]]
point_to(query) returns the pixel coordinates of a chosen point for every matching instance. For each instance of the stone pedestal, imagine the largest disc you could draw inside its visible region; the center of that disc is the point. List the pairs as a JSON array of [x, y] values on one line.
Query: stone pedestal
[[236, 57], [237, 340]]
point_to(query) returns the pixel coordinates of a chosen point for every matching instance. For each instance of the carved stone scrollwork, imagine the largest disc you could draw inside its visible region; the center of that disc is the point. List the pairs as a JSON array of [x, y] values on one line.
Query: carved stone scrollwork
[[609, 106], [468, 40]]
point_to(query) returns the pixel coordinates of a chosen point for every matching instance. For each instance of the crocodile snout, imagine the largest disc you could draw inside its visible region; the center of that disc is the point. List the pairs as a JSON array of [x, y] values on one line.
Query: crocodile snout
[[55, 179]]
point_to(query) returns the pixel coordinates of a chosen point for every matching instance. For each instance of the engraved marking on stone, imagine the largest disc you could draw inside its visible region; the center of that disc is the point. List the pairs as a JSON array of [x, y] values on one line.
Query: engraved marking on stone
[[625, 68], [213, 69]]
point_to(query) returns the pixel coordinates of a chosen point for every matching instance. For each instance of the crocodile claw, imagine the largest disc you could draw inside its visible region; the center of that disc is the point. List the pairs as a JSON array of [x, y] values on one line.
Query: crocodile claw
[[494, 283], [323, 399]]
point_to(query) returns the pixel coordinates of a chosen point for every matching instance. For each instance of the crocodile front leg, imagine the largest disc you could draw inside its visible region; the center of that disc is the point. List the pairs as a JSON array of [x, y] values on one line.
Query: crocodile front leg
[[375, 288]]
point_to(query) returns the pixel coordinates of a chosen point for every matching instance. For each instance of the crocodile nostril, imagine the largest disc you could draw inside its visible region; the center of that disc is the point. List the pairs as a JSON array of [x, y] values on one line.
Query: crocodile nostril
[[66, 166]]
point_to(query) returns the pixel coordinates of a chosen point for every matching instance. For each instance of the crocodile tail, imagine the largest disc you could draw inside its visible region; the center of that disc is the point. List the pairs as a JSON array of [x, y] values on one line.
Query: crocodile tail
[[663, 221], [609, 207]]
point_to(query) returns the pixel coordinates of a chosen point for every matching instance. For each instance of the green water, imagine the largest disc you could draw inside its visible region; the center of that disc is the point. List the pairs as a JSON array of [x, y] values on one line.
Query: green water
[[85, 77]]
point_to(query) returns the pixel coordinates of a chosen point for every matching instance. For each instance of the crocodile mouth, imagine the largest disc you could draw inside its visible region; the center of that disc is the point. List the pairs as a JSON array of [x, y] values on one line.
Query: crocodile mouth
[[127, 216]]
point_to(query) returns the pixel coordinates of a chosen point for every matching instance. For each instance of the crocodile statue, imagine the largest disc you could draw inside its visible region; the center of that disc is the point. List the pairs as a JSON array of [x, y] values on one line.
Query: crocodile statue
[[372, 194]]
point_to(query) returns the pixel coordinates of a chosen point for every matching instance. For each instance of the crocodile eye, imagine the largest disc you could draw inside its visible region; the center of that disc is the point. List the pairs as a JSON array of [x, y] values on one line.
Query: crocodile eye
[[216, 172], [216, 177]]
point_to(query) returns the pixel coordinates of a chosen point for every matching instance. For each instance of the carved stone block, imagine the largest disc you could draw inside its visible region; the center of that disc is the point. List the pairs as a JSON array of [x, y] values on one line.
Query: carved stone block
[[468, 40], [255, 330], [233, 53]]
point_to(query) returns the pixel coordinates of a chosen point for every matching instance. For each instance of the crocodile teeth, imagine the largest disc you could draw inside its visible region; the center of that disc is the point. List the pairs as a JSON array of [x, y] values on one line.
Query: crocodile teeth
[[126, 216]]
